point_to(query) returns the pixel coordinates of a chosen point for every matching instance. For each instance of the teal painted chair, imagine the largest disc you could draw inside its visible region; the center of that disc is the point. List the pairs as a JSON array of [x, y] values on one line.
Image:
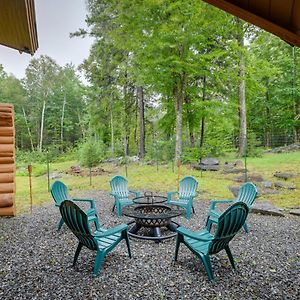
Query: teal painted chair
[[247, 194], [59, 192], [203, 243], [103, 240], [187, 192], [121, 193]]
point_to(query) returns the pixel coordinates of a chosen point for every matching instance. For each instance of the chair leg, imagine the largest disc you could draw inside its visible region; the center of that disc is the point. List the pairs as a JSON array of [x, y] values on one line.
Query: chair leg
[[208, 224], [245, 226], [208, 268], [125, 235], [79, 247], [193, 209], [98, 263], [188, 212], [229, 254], [96, 222], [60, 224], [178, 241], [114, 207], [119, 209]]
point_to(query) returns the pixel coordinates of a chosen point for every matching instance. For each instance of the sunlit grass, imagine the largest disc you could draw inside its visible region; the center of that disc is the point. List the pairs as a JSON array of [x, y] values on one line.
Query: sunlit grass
[[160, 179]]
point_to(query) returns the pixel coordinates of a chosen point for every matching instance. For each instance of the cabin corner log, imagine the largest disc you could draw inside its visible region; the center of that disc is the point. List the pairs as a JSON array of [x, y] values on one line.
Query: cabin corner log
[[7, 161], [7, 148], [9, 211], [7, 200], [6, 131], [6, 140], [7, 178]]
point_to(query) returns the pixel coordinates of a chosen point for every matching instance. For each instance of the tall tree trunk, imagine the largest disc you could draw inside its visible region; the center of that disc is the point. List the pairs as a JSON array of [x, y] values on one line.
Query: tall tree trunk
[[295, 99], [242, 91], [62, 120], [135, 136], [203, 117], [178, 93], [126, 118], [141, 104], [112, 129], [28, 129], [80, 124], [190, 119], [178, 112], [267, 127], [42, 126]]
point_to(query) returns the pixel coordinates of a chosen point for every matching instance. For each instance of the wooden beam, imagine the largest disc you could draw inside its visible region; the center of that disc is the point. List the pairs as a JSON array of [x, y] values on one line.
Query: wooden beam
[[285, 34]]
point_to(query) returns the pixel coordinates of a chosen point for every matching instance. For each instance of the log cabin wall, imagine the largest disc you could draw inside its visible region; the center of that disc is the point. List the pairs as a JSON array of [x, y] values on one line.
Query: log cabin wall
[[7, 161]]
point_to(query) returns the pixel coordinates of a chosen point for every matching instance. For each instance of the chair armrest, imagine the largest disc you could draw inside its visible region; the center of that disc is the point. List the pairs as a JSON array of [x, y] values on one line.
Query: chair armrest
[[111, 231], [186, 232], [170, 195], [91, 201], [136, 193], [195, 195], [213, 203]]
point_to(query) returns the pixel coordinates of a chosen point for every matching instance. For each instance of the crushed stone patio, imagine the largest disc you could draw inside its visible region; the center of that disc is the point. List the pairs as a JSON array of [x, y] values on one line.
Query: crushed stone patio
[[35, 261]]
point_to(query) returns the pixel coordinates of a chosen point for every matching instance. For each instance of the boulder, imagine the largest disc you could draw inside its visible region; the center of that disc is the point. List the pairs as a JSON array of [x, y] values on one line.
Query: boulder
[[238, 163], [284, 175], [209, 161], [282, 185], [295, 211], [234, 190], [208, 164], [134, 158], [209, 167], [266, 208], [232, 171], [267, 184], [289, 148], [250, 177], [55, 175]]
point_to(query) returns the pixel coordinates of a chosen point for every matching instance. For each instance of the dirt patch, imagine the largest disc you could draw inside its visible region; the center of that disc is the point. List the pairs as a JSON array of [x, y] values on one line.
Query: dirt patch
[[78, 171]]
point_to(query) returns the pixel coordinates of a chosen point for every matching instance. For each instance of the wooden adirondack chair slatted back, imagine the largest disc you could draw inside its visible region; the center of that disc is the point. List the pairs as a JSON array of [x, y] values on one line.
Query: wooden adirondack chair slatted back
[[230, 222], [59, 192], [247, 194], [119, 186], [77, 221], [187, 187]]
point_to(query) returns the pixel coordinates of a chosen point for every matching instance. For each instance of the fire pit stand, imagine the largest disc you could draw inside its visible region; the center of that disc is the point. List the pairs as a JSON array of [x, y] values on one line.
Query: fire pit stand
[[149, 211]]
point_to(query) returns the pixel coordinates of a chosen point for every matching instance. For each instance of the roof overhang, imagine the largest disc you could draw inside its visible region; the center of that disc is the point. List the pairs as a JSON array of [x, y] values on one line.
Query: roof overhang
[[18, 25], [279, 17]]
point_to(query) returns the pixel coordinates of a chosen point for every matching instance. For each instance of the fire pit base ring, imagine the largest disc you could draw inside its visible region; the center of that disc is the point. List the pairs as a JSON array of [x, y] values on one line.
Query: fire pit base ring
[[157, 237]]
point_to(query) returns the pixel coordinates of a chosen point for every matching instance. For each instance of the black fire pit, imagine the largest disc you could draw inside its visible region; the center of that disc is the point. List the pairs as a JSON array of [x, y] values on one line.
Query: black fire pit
[[150, 212]]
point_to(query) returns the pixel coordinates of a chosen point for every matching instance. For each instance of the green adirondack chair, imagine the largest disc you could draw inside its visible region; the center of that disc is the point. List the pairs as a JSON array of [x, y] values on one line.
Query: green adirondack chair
[[187, 192], [59, 192], [203, 243], [103, 240], [247, 194], [120, 191]]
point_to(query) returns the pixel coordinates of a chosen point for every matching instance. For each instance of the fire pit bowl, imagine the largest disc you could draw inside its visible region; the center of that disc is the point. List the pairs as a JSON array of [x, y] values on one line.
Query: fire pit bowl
[[152, 213]]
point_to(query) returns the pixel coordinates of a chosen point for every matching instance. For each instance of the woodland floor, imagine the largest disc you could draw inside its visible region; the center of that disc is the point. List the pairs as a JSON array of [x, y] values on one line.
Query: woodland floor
[[35, 261]]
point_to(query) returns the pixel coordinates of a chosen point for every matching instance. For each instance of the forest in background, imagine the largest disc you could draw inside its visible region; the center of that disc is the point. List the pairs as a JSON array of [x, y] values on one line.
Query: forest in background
[[166, 79]]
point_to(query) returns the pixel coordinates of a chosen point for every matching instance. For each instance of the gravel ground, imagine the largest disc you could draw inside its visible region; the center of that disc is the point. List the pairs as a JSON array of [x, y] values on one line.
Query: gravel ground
[[35, 261]]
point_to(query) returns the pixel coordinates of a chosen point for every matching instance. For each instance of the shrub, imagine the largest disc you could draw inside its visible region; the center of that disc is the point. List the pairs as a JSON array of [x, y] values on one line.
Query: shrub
[[90, 153], [253, 147]]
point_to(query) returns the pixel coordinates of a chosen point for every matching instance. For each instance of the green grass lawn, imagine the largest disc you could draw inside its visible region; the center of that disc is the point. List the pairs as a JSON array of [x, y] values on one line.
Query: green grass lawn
[[162, 179]]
